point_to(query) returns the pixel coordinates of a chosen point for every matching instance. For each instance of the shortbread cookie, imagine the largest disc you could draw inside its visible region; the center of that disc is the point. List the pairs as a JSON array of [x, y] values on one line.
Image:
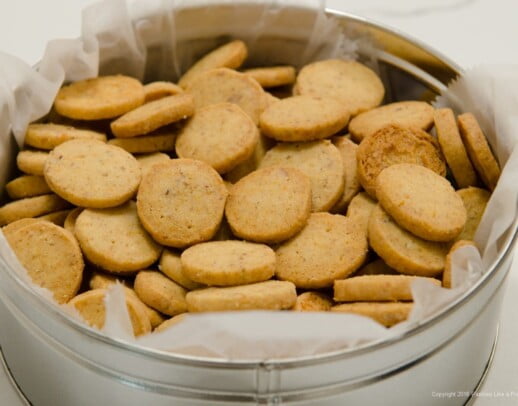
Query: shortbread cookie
[[49, 136], [171, 266], [272, 76], [31, 161], [313, 302], [387, 314], [475, 201], [57, 217], [269, 295], [414, 114], [181, 202], [160, 293], [51, 256], [9, 229], [269, 205], [162, 141], [31, 207], [252, 163], [377, 267], [446, 276], [70, 220], [170, 323], [478, 150], [92, 308], [395, 145], [329, 247], [303, 118], [421, 201], [146, 161], [157, 90], [153, 115], [356, 86], [360, 210], [100, 280], [27, 186], [114, 240], [320, 161], [231, 55], [228, 263], [228, 86], [352, 185], [99, 98], [221, 135], [402, 250], [92, 174], [376, 288], [453, 149]]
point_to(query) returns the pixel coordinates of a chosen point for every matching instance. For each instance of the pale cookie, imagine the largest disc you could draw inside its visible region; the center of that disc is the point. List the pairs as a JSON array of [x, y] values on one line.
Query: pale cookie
[[32, 162], [228, 86], [100, 280], [402, 250], [376, 288], [478, 150], [272, 76], [387, 314], [475, 201], [160, 293], [171, 266], [421, 202], [31, 207], [446, 276], [356, 86], [252, 163], [269, 205], [395, 145], [352, 186], [92, 308], [146, 161], [166, 325], [320, 161], [157, 90], [269, 295], [51, 256], [163, 141], [92, 174], [27, 186], [313, 302], [360, 210], [303, 118], [377, 267], [453, 149], [9, 229], [228, 263], [49, 136], [221, 135], [329, 247], [70, 220], [57, 217], [414, 114], [153, 115], [99, 98], [114, 240], [231, 55], [181, 202]]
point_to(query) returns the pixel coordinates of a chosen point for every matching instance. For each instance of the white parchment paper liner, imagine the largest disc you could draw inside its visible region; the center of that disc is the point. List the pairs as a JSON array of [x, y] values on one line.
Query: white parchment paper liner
[[112, 43]]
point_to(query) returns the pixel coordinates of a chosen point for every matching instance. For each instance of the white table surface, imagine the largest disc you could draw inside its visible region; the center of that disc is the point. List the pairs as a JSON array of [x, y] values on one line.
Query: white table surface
[[468, 31]]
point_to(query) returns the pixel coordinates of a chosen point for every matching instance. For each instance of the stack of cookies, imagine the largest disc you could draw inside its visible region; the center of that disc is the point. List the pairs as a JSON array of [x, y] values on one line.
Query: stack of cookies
[[251, 189]]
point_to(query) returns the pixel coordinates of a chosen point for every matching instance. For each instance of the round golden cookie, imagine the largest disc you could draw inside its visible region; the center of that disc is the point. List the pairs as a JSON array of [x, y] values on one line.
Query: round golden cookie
[[27, 186], [252, 163], [352, 186], [100, 280], [56, 217], [386, 314], [171, 266], [313, 302], [414, 114], [395, 145], [475, 201], [360, 209], [17, 225], [157, 90], [268, 295], [31, 161], [146, 161], [272, 76], [228, 86], [160, 293], [166, 325], [231, 55], [421, 202], [353, 84], [51, 256], [269, 205], [31, 207], [377, 267], [163, 141], [446, 276], [478, 150], [453, 149], [49, 136], [181, 202], [92, 174], [99, 98], [402, 250], [320, 161], [303, 118], [329, 247], [228, 263], [70, 220], [114, 240], [92, 308], [221, 135], [153, 115]]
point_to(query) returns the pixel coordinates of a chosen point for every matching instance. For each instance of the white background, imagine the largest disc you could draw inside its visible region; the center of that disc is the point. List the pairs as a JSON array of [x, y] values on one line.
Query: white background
[[467, 31]]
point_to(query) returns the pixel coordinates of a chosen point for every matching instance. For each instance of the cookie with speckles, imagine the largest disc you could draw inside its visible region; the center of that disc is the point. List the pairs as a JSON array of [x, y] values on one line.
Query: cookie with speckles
[[313, 302], [387, 314]]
